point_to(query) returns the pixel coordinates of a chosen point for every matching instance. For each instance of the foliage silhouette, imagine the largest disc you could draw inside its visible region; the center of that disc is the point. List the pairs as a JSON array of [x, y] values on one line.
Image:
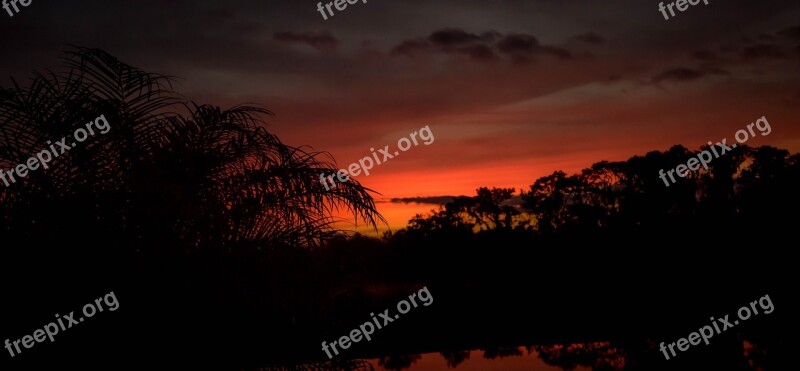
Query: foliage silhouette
[[168, 169], [181, 208], [741, 186]]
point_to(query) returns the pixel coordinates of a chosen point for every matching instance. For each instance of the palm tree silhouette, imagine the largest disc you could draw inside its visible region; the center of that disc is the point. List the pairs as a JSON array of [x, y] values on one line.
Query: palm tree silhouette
[[168, 169]]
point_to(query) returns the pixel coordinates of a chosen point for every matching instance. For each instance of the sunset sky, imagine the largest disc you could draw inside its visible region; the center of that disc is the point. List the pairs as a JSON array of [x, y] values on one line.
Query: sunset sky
[[512, 90]]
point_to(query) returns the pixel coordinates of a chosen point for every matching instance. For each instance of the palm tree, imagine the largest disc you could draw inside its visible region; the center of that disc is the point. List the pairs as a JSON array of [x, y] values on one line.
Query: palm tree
[[168, 169]]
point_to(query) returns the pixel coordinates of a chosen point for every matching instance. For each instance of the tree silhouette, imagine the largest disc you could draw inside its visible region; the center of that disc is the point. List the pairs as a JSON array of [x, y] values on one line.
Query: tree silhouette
[[168, 170], [743, 186], [455, 357], [489, 210], [549, 198]]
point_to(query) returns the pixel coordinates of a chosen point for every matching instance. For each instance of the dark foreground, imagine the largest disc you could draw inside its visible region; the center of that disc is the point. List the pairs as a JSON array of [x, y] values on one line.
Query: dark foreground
[[259, 309]]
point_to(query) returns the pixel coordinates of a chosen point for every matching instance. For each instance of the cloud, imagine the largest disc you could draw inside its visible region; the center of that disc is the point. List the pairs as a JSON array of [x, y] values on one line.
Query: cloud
[[683, 74], [558, 52], [518, 43], [491, 36], [763, 51], [452, 37], [589, 38], [451, 41], [482, 47], [792, 33], [411, 47], [520, 47], [479, 52], [435, 200], [322, 41]]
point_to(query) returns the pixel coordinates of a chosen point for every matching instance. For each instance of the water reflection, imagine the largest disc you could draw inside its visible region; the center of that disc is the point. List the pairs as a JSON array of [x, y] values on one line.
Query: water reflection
[[492, 353], [455, 358], [398, 362], [344, 365], [593, 356], [599, 356]]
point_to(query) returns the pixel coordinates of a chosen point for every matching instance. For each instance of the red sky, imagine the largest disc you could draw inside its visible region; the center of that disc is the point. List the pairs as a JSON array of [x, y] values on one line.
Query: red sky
[[512, 90]]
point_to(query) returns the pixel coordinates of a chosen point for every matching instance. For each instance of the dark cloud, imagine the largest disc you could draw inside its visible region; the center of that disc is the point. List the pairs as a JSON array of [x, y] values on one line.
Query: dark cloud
[[558, 52], [589, 38], [479, 52], [482, 47], [435, 200], [521, 47], [518, 43], [763, 51], [323, 41], [452, 37], [411, 47], [683, 74], [792, 33], [491, 36], [457, 41]]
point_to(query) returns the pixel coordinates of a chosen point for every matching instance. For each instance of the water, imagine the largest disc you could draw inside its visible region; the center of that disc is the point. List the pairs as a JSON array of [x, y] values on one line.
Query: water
[[578, 357]]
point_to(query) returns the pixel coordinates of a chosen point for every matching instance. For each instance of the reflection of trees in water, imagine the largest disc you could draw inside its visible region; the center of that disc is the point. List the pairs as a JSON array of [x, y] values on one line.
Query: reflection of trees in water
[[766, 354], [399, 362], [501, 352], [755, 355], [335, 365], [455, 358], [600, 356]]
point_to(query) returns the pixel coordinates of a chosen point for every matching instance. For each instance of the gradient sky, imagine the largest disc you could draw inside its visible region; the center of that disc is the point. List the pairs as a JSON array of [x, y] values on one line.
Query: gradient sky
[[512, 90]]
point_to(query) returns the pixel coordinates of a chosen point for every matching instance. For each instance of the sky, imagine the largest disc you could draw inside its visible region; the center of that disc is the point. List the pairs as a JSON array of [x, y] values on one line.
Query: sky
[[512, 90]]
